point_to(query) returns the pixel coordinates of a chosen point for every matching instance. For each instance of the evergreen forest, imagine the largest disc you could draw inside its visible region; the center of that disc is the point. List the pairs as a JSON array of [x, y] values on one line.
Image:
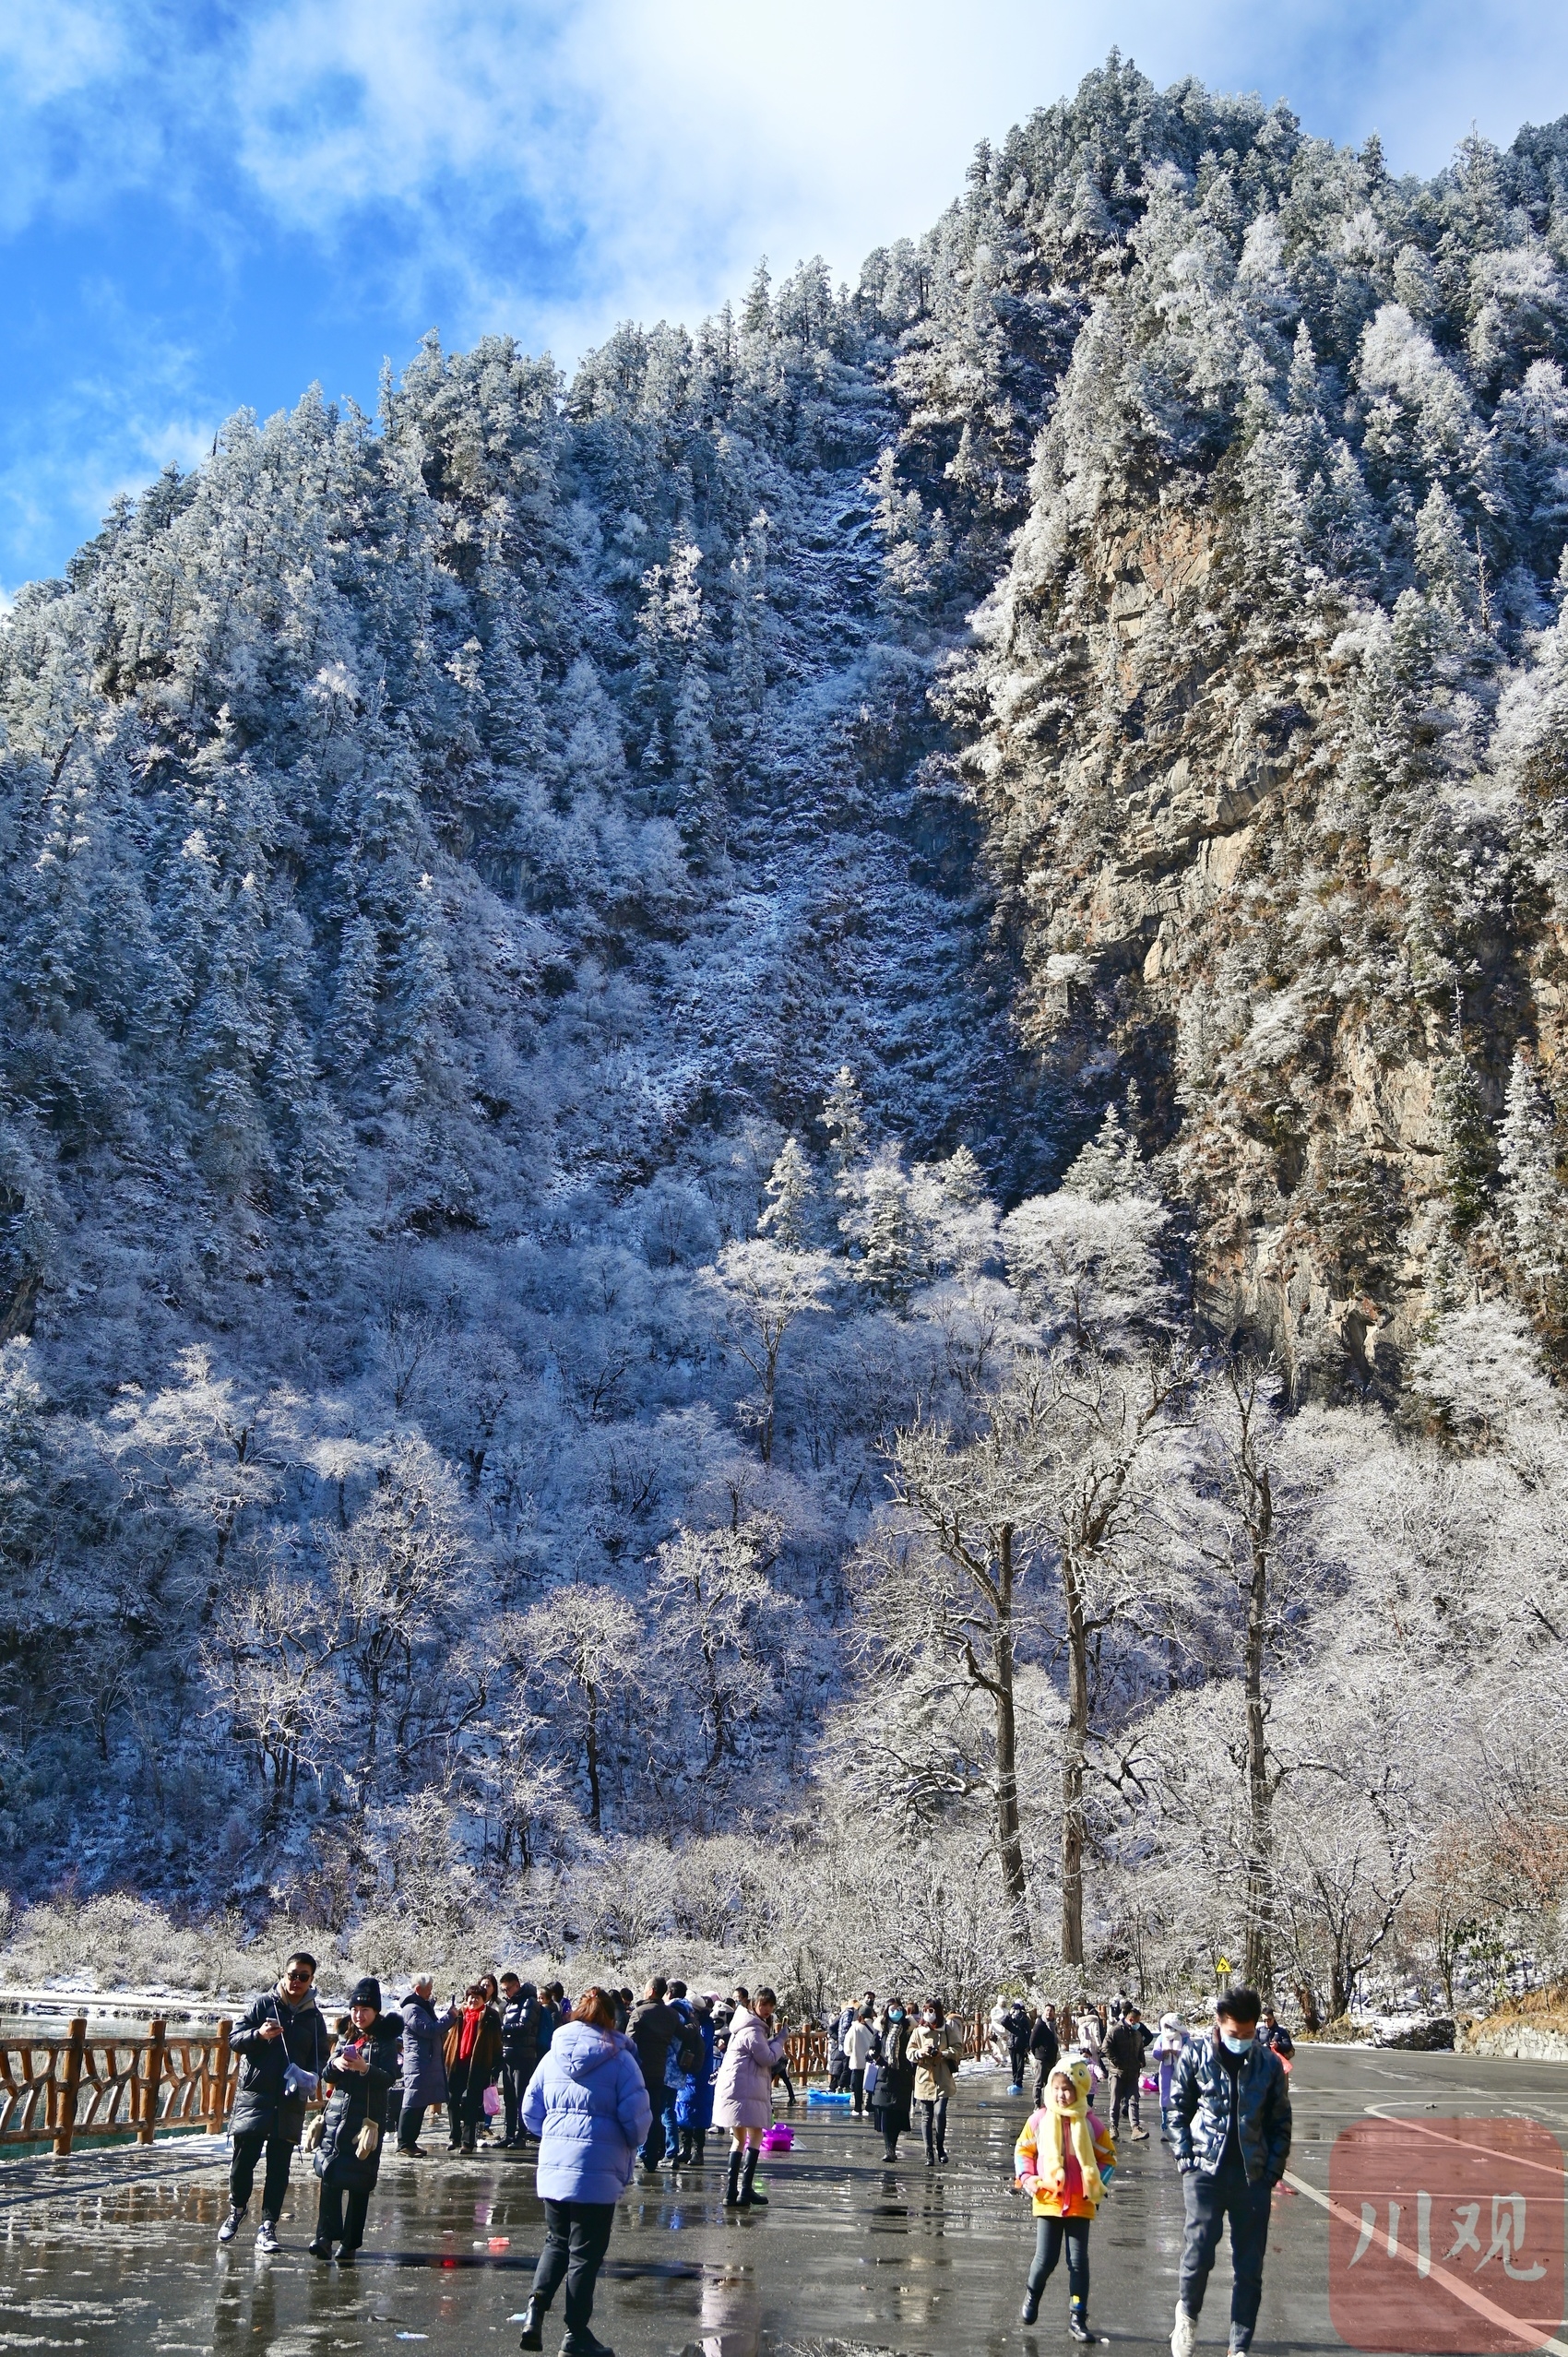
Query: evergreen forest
[[783, 1131]]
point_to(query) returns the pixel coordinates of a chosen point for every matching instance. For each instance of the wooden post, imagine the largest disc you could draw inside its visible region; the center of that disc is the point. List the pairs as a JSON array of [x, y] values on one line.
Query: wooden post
[[154, 2081], [217, 2084], [65, 2118]]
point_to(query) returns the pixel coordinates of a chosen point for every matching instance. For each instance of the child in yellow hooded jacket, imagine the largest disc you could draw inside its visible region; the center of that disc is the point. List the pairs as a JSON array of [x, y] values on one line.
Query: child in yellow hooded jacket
[[1064, 2159]]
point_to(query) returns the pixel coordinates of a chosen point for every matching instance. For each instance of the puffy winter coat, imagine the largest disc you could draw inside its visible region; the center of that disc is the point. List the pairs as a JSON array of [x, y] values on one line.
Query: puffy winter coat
[[693, 2089], [357, 2097], [895, 2089], [654, 2025], [424, 2065], [935, 2058], [1125, 2048], [859, 2044], [1071, 2201], [587, 2104], [743, 2097], [1204, 2097], [259, 2100], [519, 2030], [1044, 2045]]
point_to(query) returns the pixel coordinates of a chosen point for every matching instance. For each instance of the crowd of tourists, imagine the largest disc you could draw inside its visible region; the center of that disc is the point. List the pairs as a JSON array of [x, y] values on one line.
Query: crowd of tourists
[[614, 2082]]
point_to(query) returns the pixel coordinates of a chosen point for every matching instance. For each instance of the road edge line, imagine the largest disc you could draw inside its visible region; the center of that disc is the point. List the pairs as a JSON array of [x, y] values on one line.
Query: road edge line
[[1454, 2285]]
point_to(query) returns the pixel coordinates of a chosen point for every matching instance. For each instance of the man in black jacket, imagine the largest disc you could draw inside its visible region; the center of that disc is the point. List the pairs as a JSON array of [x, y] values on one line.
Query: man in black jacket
[[283, 2045], [1015, 2022], [1044, 2048], [654, 2024], [1231, 2132], [1125, 2050], [519, 2052]]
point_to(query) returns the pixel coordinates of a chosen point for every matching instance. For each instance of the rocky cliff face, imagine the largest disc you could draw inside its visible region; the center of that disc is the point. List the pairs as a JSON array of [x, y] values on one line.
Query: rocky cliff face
[[1267, 723]]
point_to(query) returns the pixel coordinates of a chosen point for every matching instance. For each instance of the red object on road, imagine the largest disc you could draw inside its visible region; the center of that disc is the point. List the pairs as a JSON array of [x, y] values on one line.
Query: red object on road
[[1446, 2235]]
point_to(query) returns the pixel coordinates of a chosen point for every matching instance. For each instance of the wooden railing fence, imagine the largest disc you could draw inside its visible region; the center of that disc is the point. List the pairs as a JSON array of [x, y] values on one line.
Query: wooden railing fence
[[805, 2050], [69, 2091], [64, 2090]]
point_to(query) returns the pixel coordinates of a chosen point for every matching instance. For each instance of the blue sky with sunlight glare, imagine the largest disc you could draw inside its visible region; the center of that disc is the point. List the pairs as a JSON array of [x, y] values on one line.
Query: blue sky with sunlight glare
[[208, 206]]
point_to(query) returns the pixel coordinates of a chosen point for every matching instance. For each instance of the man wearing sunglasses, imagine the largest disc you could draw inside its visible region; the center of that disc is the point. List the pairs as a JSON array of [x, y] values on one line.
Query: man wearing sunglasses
[[284, 2046]]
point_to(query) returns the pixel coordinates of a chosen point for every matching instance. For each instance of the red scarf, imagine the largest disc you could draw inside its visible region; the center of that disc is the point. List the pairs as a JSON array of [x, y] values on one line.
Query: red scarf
[[473, 2017]]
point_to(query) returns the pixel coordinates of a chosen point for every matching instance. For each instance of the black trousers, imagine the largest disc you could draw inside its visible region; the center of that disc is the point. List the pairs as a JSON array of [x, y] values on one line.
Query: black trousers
[[576, 2235], [936, 2110], [1053, 2232], [409, 2122], [857, 2090], [341, 2214], [1128, 2091], [248, 2145], [1018, 2053], [514, 2077], [465, 2104], [1209, 2202]]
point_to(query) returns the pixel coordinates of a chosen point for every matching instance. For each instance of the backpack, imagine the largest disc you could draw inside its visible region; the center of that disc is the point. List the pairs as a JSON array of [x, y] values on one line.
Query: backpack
[[690, 2052]]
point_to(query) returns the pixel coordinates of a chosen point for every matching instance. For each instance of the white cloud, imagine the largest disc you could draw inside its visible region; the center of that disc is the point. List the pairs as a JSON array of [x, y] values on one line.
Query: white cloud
[[668, 142], [547, 166]]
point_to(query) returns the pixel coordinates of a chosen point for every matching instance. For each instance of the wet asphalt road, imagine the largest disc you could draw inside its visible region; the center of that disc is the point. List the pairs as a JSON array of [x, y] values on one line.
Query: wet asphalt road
[[115, 2254]]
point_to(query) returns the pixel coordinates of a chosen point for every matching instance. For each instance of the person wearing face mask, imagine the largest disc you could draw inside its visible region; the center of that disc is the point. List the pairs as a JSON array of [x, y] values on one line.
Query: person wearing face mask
[[1065, 2160], [894, 2092], [1167, 2049], [935, 2058], [1230, 2131]]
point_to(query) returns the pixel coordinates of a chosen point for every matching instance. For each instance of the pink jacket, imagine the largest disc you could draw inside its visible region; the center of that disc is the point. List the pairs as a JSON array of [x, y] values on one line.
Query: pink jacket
[[743, 2096]]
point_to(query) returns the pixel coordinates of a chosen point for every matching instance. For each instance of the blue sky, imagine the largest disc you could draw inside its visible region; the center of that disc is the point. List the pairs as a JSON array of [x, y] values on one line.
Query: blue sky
[[204, 207]]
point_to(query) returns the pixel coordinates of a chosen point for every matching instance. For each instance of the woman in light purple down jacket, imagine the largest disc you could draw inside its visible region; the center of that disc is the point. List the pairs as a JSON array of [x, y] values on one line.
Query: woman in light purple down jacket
[[743, 2095], [587, 2104]]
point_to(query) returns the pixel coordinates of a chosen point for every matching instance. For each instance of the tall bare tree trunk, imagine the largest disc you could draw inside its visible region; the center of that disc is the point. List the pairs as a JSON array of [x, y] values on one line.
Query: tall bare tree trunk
[[1009, 1836], [1260, 1795], [1074, 1758]]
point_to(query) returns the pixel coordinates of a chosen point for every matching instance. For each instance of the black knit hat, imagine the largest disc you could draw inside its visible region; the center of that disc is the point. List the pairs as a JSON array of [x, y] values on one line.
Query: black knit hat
[[366, 1992]]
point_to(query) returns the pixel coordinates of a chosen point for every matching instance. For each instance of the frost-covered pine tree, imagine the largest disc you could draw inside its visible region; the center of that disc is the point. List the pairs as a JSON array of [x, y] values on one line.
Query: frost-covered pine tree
[[791, 1192], [1532, 1199]]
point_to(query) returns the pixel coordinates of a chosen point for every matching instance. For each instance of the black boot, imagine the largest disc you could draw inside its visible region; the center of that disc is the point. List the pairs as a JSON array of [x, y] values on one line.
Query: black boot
[[750, 2198], [1079, 2326], [700, 2138], [732, 2186], [1030, 2309], [533, 2322], [581, 2341]]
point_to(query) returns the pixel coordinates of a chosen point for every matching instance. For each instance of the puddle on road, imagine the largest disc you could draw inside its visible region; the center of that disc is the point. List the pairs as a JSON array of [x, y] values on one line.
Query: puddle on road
[[116, 2256]]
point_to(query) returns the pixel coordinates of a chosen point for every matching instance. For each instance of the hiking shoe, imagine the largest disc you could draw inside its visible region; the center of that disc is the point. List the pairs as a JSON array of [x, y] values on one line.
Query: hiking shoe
[[230, 2225], [266, 2235]]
